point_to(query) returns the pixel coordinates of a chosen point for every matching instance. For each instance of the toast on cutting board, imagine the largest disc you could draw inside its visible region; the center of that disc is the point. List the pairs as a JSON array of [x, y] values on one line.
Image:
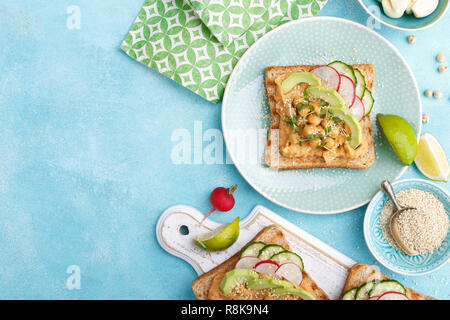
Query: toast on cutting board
[[207, 286], [362, 273], [279, 160]]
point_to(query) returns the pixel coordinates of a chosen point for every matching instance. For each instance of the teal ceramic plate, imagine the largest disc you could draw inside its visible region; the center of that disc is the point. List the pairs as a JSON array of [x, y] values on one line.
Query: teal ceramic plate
[[406, 22], [388, 256], [246, 115]]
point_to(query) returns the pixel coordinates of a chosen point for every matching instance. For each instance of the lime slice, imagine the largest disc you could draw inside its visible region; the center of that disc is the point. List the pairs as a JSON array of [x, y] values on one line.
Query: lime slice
[[220, 238], [400, 135], [431, 159]]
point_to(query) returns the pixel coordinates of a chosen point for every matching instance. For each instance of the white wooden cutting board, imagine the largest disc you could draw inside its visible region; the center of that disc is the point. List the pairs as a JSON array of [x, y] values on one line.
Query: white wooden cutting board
[[327, 266]]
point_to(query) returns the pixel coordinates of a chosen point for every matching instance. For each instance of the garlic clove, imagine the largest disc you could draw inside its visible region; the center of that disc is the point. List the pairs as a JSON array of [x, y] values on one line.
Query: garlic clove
[[423, 8], [394, 8], [409, 7]]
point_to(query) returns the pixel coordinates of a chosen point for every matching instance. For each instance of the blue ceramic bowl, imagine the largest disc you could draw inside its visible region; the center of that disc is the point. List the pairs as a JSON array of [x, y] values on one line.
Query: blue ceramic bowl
[[407, 21], [387, 255]]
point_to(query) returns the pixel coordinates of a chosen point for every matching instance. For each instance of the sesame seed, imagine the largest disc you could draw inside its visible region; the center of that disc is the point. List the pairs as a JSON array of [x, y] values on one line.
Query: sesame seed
[[422, 229]]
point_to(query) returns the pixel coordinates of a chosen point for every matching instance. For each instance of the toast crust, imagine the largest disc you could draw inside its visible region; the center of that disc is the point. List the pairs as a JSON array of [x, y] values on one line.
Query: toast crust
[[361, 273], [206, 286], [277, 161]]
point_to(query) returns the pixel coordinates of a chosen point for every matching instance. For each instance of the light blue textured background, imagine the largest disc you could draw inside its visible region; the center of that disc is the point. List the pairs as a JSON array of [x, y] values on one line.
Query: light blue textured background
[[85, 166]]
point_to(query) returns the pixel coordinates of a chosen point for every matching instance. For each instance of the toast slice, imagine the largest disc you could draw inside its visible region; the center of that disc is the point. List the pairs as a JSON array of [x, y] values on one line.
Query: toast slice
[[275, 160], [362, 273], [206, 286]]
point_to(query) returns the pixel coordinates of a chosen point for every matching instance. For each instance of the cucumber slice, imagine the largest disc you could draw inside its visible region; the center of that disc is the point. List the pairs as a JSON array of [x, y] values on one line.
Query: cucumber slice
[[344, 69], [269, 250], [368, 101], [349, 294], [287, 256], [360, 83], [386, 286], [252, 250], [362, 293]]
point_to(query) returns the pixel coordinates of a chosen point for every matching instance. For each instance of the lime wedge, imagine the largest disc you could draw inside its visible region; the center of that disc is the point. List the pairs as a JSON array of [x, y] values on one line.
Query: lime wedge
[[220, 238], [401, 136], [431, 159]]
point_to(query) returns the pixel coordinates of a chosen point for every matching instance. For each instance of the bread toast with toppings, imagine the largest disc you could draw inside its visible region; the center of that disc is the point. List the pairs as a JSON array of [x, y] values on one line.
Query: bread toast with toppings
[[206, 286], [362, 273], [275, 160]]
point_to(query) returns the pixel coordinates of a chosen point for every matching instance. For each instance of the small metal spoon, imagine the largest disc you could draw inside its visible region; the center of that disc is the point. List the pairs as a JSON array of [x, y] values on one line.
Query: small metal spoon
[[387, 188]]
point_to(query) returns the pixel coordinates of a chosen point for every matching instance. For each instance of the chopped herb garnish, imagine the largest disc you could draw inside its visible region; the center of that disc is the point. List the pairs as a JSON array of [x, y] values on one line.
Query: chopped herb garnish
[[321, 145], [336, 120], [291, 122], [327, 130], [314, 136], [348, 138], [324, 104], [301, 106]]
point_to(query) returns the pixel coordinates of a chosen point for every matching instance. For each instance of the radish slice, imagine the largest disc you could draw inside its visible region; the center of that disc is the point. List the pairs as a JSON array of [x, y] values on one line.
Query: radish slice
[[329, 76], [347, 90], [266, 267], [290, 272], [391, 295], [373, 298], [358, 109], [247, 262]]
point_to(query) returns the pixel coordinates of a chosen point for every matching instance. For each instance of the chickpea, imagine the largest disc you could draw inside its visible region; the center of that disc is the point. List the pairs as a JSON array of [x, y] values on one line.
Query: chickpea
[[309, 129], [334, 132], [437, 94], [304, 112], [440, 57], [314, 143], [314, 108], [330, 143], [428, 93], [313, 119], [412, 39], [341, 139], [320, 130], [327, 123]]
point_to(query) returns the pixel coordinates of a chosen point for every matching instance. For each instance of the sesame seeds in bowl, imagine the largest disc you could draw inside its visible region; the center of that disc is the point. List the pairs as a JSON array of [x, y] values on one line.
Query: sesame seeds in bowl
[[427, 195]]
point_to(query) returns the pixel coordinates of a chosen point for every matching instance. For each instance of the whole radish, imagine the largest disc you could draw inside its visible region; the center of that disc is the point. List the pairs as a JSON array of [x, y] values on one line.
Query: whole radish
[[221, 199]]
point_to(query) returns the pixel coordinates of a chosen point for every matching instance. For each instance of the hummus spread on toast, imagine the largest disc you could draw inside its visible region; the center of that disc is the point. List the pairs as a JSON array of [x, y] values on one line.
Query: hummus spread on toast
[[306, 129]]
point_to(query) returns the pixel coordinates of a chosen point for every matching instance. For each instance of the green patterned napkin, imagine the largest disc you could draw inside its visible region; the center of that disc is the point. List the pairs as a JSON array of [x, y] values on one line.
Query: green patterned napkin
[[198, 42]]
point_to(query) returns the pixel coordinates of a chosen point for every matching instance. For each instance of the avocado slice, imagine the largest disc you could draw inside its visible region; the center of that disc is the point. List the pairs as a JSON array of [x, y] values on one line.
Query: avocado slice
[[235, 277], [259, 284], [348, 117], [297, 77], [331, 96], [305, 295]]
